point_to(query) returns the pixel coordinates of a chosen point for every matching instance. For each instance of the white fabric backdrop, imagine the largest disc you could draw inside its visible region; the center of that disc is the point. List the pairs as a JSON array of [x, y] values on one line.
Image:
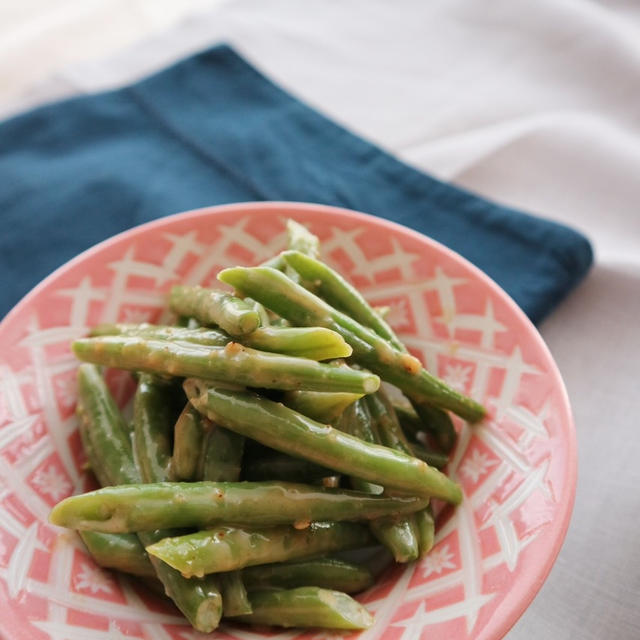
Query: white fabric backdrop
[[533, 104]]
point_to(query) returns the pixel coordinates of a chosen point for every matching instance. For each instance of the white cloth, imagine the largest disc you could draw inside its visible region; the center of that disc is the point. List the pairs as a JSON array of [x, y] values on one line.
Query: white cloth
[[533, 104]]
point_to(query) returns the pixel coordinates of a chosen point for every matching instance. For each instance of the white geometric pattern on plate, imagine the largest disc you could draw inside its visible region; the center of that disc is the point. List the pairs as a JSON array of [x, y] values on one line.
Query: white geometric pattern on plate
[[503, 465]]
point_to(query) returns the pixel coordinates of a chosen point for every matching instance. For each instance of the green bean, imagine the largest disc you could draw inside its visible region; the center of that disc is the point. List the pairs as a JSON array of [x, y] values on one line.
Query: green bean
[[357, 422], [432, 457], [189, 435], [154, 414], [234, 595], [265, 321], [210, 306], [205, 336], [397, 535], [315, 343], [279, 466], [326, 573], [386, 422], [104, 427], [307, 607], [221, 456], [221, 461], [227, 548], [436, 422], [277, 262], [153, 417], [199, 600], [121, 551], [299, 238], [231, 364], [426, 530], [382, 311], [408, 419], [93, 461], [145, 507], [204, 451], [333, 288], [301, 307], [262, 463], [318, 405], [276, 426], [437, 425], [392, 434]]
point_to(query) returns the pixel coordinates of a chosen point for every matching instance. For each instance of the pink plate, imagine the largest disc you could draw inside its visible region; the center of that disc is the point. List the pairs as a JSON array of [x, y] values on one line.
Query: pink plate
[[517, 469]]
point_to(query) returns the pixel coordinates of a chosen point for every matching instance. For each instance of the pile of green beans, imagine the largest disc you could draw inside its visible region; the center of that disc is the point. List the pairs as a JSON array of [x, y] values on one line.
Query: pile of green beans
[[262, 442]]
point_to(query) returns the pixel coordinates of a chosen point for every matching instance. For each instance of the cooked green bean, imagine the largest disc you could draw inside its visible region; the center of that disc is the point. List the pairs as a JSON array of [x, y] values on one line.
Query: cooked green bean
[[265, 321], [121, 551], [188, 439], [326, 573], [221, 456], [315, 343], [277, 426], [154, 412], [319, 405], [154, 415], [432, 457], [231, 364], [392, 435], [200, 335], [106, 429], [409, 420], [386, 422], [204, 451], [209, 306], [332, 287], [436, 422], [307, 607], [235, 601], [279, 466], [145, 507], [397, 535], [426, 530], [221, 461], [227, 548], [299, 238], [199, 600]]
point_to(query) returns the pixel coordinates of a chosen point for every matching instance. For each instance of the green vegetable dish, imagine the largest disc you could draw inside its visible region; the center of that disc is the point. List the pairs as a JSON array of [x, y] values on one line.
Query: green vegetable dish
[[262, 444]]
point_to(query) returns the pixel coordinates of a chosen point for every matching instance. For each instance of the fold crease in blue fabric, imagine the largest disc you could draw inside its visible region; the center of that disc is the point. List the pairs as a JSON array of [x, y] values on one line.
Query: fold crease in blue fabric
[[213, 130]]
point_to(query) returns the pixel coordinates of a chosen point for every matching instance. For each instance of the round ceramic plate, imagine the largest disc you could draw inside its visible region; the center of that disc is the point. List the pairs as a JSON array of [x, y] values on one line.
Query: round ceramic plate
[[517, 468]]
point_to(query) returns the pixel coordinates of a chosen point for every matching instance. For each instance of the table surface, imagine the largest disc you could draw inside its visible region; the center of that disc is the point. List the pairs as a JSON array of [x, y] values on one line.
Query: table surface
[[536, 105]]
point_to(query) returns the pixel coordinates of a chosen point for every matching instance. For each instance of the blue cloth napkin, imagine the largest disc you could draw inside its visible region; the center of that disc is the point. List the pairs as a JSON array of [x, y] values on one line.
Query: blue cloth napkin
[[212, 130]]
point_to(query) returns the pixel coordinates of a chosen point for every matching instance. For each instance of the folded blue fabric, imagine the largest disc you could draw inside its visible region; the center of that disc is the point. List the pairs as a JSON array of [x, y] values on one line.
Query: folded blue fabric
[[212, 130]]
